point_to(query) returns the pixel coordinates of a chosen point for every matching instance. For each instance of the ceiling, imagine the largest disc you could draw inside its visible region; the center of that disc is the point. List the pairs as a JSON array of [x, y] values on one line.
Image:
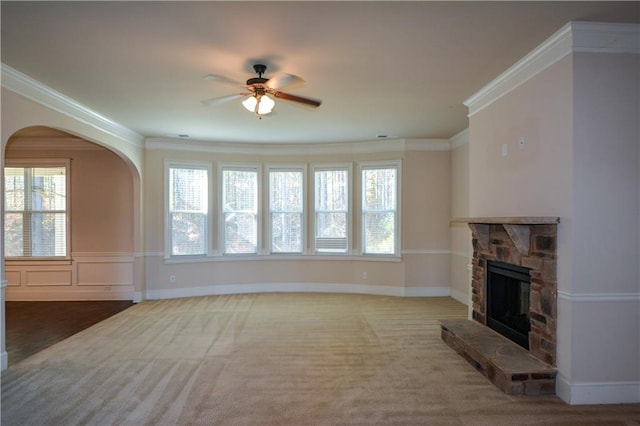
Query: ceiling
[[394, 69]]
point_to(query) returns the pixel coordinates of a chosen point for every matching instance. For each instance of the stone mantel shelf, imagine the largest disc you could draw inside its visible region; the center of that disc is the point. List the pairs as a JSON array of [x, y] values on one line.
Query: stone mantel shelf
[[517, 227], [509, 220]]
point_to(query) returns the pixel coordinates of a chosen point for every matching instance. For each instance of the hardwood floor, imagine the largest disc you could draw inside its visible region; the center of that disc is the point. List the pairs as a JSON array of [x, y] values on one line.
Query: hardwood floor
[[34, 326]]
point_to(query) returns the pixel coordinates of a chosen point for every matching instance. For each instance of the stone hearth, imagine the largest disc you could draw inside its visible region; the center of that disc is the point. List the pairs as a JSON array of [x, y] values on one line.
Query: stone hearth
[[529, 242], [508, 366]]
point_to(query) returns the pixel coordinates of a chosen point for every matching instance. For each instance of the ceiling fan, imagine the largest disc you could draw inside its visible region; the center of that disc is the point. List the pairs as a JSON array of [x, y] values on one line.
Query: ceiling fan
[[258, 89]]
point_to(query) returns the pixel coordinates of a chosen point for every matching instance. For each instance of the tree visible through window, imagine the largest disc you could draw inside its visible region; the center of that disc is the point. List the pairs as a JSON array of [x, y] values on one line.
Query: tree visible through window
[[379, 209], [240, 210], [188, 207], [35, 218], [286, 209], [331, 210]]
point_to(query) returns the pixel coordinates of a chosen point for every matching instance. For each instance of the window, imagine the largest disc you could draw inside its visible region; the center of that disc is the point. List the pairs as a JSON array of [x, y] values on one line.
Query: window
[[286, 209], [188, 209], [240, 210], [379, 209], [331, 212], [36, 205], [242, 230]]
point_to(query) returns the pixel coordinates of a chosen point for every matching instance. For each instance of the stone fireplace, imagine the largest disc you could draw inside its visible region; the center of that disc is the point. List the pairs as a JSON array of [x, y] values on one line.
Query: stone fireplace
[[522, 254], [524, 242]]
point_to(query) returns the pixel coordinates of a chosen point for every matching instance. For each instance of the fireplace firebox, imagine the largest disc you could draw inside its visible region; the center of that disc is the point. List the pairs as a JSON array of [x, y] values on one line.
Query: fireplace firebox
[[508, 289]]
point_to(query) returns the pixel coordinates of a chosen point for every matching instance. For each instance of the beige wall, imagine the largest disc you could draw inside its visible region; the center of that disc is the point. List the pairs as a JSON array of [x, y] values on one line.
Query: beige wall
[[605, 216], [606, 175], [101, 227], [426, 200], [422, 270], [536, 180], [459, 233], [579, 118]]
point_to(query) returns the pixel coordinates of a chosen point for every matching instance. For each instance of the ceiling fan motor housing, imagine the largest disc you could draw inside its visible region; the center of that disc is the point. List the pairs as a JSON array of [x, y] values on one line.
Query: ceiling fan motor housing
[[259, 86], [259, 69], [256, 80]]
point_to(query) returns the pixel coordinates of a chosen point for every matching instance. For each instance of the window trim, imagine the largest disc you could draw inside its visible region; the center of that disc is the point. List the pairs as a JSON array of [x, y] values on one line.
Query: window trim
[[368, 165], [215, 216], [257, 167], [301, 167], [200, 165], [43, 162], [350, 196]]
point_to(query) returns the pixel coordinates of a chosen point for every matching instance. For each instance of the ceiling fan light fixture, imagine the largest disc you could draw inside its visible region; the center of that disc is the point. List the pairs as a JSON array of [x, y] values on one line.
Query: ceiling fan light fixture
[[265, 105], [260, 104], [257, 89], [250, 103]]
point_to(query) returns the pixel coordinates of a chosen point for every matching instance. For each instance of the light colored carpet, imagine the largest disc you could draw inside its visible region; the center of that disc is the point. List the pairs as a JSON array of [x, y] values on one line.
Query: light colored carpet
[[273, 359]]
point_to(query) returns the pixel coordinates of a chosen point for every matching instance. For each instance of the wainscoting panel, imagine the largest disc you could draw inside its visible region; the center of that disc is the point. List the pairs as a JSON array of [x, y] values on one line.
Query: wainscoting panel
[[108, 271], [14, 278], [88, 276], [47, 278]]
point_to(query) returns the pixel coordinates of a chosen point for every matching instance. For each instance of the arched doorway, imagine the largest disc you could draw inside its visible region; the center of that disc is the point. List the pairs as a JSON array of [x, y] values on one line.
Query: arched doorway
[[82, 250]]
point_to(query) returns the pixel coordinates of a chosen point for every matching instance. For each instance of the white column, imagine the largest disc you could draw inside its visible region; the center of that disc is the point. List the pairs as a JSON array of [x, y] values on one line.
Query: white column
[[4, 359]]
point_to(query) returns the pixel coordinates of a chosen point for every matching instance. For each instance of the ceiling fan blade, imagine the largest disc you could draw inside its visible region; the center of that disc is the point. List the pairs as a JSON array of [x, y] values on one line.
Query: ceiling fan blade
[[307, 101], [223, 99], [222, 79], [280, 80]]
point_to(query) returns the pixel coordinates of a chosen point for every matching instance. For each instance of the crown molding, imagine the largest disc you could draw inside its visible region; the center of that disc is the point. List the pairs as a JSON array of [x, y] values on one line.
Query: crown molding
[[460, 139], [41, 143], [599, 37], [427, 144], [34, 90], [365, 147], [590, 37], [548, 53]]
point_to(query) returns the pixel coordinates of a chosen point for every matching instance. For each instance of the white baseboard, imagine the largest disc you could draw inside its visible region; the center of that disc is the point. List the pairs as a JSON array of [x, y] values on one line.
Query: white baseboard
[[45, 294], [293, 287], [598, 392], [137, 296], [4, 361], [441, 291], [460, 296]]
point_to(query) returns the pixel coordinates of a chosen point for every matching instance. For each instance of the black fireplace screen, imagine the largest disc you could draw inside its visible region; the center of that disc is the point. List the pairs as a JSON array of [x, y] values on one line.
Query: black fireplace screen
[[508, 288]]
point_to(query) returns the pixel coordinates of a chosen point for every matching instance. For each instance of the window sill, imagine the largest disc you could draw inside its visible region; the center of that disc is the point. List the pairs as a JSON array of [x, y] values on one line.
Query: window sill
[[285, 257]]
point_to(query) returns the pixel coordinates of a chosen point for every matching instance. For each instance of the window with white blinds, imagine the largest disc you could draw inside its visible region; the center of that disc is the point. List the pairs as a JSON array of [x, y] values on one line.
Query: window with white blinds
[[286, 209], [188, 210], [330, 190], [36, 205], [240, 210], [331, 211], [379, 209]]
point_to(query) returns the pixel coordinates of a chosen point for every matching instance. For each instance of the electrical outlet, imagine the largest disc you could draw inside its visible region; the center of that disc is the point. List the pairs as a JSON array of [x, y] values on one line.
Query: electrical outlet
[[505, 150], [365, 275], [172, 278]]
